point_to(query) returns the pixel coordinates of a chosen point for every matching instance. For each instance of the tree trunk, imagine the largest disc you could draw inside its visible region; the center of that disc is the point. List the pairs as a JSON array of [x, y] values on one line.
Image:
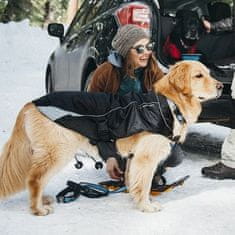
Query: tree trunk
[[47, 14]]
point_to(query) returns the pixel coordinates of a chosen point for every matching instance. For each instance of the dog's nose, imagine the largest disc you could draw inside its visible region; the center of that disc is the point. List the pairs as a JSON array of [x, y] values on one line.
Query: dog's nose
[[219, 85]]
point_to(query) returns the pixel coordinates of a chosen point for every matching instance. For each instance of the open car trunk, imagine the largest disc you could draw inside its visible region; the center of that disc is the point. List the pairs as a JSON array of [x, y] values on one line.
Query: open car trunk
[[217, 111]]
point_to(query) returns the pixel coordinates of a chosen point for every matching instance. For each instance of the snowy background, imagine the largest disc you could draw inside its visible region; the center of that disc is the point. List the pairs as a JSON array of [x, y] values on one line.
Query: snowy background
[[200, 206]]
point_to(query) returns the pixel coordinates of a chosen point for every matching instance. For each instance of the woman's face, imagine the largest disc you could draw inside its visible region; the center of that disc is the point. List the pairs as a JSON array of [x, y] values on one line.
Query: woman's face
[[139, 54]]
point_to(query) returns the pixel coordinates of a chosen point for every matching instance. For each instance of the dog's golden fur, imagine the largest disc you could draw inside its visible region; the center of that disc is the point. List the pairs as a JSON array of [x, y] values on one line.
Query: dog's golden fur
[[38, 147]]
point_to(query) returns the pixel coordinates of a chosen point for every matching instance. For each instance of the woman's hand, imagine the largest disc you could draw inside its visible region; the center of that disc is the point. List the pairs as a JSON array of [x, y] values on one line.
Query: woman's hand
[[113, 169]]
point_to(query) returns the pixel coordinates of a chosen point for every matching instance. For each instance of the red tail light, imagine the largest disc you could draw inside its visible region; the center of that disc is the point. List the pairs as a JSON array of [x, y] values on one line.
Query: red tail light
[[138, 14]]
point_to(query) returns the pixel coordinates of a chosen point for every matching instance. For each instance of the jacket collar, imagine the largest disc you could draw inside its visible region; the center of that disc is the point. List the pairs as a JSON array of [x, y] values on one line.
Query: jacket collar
[[115, 59]]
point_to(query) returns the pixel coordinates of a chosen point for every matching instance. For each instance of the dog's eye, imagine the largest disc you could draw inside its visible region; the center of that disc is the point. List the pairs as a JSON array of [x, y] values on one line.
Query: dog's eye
[[199, 75]]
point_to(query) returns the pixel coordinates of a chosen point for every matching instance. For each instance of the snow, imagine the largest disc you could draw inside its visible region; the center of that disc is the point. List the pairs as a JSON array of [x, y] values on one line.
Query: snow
[[200, 206]]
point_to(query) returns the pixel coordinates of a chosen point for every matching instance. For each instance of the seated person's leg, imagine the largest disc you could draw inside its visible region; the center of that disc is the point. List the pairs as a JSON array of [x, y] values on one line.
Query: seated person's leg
[[174, 159]]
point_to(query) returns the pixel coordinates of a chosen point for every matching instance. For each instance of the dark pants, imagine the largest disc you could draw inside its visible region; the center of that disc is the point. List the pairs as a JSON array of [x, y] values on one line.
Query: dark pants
[[173, 160]]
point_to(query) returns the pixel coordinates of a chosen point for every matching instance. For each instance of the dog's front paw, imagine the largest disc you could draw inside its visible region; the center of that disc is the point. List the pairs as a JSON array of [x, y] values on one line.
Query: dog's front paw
[[42, 211], [150, 207]]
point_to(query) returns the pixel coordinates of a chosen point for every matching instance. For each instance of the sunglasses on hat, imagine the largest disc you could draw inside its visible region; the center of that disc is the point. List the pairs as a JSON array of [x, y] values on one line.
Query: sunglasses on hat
[[141, 48]]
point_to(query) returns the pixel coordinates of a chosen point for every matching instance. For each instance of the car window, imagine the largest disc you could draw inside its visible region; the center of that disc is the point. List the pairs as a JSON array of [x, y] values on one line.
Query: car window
[[98, 7], [89, 10], [78, 19]]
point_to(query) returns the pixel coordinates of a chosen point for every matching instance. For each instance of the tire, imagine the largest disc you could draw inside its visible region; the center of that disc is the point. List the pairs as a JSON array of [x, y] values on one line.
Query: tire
[[88, 80], [49, 86]]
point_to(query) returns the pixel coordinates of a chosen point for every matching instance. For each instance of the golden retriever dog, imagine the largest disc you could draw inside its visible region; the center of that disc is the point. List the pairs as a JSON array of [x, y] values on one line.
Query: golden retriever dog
[[38, 148]]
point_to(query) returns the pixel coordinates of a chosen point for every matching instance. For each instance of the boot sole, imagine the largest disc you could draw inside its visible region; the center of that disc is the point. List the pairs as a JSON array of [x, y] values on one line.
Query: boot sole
[[219, 177]]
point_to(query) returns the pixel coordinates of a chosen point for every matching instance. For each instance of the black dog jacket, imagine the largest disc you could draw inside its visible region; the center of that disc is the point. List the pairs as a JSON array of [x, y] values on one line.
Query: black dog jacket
[[107, 117]]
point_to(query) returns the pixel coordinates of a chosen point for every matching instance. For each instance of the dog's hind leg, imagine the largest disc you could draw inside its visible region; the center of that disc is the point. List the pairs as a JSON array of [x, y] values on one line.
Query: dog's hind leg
[[148, 153], [51, 151], [44, 166], [36, 184]]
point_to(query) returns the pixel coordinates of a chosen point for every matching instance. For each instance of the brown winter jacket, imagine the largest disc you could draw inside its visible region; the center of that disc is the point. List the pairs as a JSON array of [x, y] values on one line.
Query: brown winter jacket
[[107, 78]]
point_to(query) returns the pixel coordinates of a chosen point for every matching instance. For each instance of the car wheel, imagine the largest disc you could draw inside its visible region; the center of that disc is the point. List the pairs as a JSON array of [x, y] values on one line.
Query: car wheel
[[88, 80], [49, 86]]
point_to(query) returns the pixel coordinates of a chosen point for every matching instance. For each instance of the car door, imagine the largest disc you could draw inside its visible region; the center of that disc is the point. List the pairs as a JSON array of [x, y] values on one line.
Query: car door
[[71, 54], [62, 54], [79, 46]]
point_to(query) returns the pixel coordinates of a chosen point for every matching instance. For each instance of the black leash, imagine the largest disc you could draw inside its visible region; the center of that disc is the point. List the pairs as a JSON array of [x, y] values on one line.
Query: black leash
[[69, 194], [74, 190]]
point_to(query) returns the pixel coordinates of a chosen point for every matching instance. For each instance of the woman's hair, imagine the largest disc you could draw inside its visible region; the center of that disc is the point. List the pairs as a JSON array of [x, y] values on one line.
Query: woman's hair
[[149, 71], [129, 66], [152, 69]]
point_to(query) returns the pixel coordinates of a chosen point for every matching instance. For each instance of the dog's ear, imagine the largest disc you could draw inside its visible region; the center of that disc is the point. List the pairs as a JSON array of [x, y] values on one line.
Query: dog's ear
[[179, 78]]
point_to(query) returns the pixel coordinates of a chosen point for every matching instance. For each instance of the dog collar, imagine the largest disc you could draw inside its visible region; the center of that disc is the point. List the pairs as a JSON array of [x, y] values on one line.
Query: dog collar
[[177, 112]]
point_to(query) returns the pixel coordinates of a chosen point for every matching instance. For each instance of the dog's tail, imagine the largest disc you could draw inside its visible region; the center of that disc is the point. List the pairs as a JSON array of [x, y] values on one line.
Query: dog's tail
[[15, 159]]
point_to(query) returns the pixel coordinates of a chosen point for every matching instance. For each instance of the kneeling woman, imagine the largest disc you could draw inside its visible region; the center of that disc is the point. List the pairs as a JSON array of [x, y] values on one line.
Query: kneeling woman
[[131, 67]]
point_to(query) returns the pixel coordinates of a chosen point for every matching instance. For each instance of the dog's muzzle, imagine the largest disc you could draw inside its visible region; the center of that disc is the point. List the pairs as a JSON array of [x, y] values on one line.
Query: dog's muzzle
[[192, 35]]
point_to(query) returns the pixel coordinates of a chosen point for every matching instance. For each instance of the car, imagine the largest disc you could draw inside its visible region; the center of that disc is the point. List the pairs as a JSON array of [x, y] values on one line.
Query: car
[[87, 43]]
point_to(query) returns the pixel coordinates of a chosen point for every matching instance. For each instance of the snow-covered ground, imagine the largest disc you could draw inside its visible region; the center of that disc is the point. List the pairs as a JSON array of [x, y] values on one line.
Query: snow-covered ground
[[200, 206]]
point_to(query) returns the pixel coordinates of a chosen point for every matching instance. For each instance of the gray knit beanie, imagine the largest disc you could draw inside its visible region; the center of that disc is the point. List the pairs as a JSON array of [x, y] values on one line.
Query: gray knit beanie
[[126, 37]]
